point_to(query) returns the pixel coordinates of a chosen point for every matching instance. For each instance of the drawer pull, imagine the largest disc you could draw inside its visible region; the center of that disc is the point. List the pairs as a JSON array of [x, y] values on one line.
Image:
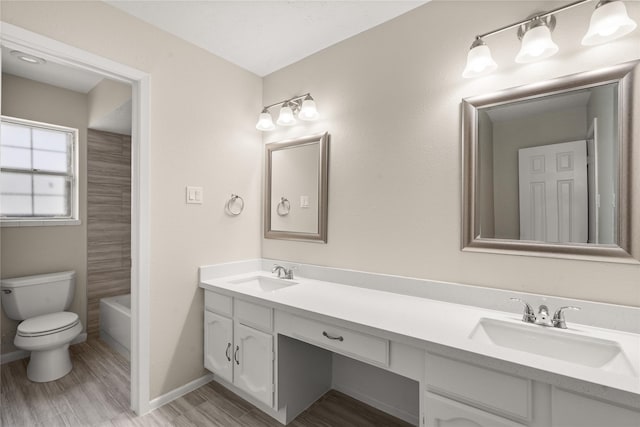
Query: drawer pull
[[235, 355], [226, 353], [332, 338]]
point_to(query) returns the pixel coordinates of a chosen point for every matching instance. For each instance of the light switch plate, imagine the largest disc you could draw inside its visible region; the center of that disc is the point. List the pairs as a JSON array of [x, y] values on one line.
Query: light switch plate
[[194, 195], [304, 201]]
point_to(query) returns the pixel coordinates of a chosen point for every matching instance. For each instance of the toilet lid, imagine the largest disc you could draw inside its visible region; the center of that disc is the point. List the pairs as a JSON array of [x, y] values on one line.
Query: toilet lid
[[48, 324]]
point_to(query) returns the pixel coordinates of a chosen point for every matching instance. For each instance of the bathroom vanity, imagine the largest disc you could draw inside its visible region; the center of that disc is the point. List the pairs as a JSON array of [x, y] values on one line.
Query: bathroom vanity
[[270, 340]]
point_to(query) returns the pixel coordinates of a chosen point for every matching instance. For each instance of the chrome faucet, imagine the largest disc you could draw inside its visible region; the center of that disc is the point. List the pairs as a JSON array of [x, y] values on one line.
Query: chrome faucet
[[558, 317], [282, 272], [542, 318], [528, 316]]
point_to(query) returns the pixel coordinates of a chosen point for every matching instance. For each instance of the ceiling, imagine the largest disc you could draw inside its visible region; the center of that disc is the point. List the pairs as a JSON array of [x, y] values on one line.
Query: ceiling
[[50, 73], [264, 36]]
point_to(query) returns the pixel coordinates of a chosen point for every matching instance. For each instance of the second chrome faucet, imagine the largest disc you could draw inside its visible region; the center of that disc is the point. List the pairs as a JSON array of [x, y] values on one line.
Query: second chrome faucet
[[542, 317], [282, 272]]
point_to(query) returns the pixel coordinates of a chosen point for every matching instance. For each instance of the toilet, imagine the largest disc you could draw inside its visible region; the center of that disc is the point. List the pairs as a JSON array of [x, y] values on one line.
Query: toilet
[[46, 329]]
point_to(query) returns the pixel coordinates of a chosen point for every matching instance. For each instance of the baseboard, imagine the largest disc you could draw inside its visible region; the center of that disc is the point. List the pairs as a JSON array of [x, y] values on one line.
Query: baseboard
[[23, 354], [13, 356], [179, 392], [384, 407]]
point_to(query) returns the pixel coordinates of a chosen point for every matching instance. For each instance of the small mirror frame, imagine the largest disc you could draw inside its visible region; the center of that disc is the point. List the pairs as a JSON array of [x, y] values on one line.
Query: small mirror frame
[[627, 250], [323, 189]]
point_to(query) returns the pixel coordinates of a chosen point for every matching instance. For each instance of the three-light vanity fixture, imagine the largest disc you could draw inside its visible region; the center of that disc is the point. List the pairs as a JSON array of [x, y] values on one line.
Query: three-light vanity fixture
[[609, 21], [303, 105]]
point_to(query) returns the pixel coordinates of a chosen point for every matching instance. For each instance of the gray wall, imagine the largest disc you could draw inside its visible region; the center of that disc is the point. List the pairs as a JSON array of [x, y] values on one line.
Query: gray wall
[[601, 105], [509, 136]]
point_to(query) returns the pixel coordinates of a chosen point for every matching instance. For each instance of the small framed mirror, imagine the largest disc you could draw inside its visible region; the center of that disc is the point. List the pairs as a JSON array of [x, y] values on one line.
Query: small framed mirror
[[552, 169], [296, 189]]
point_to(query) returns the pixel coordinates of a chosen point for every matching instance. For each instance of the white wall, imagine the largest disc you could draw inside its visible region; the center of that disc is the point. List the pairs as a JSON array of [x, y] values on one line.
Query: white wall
[[390, 98], [203, 111], [38, 250]]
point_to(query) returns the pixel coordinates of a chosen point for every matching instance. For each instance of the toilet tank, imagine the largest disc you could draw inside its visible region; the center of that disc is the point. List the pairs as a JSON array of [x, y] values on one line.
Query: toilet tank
[[30, 296]]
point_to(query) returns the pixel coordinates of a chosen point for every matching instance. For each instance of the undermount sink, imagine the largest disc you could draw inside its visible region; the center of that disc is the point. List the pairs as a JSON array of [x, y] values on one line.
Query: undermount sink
[[554, 343], [263, 283]]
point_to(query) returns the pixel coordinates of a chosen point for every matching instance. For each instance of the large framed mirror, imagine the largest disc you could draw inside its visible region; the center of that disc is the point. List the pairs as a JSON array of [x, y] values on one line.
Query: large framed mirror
[[296, 189], [553, 168]]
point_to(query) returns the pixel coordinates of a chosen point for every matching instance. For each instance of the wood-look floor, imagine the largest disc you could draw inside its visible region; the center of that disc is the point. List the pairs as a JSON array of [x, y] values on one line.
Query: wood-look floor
[[96, 393]]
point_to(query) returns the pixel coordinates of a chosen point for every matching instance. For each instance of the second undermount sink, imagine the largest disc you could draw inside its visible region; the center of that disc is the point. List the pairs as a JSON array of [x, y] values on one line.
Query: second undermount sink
[[263, 283], [554, 343]]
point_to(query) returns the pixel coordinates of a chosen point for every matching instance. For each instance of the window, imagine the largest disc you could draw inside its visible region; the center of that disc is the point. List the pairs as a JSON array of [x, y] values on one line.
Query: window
[[38, 173]]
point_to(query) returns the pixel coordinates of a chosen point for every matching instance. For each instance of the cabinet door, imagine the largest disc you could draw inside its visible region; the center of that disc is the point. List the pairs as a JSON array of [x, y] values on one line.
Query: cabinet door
[[442, 412], [218, 345], [253, 359], [574, 410]]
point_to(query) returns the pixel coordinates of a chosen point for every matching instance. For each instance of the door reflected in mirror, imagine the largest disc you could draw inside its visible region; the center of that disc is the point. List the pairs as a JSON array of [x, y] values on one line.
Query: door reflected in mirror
[[549, 168], [296, 189]]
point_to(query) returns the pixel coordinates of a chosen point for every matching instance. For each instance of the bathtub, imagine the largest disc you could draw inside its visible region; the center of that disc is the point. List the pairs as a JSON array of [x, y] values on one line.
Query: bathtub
[[115, 323]]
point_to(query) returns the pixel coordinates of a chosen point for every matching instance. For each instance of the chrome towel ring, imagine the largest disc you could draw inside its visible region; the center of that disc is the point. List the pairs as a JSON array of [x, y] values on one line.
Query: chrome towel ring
[[231, 207], [284, 206]]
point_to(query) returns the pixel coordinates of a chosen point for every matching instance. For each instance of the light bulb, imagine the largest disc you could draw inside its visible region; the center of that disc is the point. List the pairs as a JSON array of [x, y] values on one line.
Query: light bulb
[[286, 117], [265, 122], [479, 60], [608, 22], [536, 45], [308, 109]]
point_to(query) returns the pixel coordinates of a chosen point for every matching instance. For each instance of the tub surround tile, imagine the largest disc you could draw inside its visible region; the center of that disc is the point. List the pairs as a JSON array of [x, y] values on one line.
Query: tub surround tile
[[108, 221]]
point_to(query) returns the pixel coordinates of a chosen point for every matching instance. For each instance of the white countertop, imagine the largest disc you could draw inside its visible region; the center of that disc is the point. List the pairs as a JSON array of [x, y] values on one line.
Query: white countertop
[[432, 321]]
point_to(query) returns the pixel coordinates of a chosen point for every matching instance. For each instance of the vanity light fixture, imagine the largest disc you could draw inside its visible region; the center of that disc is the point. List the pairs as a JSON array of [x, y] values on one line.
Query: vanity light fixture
[[479, 60], [303, 105], [608, 22], [536, 40]]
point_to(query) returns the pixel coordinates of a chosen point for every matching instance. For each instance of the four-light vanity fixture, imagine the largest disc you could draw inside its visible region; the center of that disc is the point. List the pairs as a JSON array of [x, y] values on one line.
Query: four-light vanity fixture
[[304, 105], [608, 22]]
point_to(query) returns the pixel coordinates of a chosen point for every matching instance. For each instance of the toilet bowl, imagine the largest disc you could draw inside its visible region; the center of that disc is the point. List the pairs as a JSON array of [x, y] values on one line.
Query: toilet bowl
[[47, 337], [47, 330]]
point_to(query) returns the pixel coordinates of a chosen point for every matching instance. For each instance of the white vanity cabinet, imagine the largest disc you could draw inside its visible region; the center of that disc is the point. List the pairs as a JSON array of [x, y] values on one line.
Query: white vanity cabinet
[[235, 349], [461, 394], [444, 412], [575, 410], [218, 345]]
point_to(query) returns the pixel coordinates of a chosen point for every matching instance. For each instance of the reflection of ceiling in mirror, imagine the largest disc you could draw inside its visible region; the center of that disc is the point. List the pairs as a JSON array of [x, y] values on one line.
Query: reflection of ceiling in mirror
[[546, 104]]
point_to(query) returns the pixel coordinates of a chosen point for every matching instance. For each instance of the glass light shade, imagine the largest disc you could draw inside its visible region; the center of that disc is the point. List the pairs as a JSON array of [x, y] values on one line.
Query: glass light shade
[[265, 122], [479, 62], [286, 117], [536, 45], [308, 110], [608, 22]]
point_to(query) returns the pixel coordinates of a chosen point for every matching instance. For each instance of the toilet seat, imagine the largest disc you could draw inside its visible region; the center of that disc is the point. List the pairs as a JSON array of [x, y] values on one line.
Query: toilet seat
[[48, 324]]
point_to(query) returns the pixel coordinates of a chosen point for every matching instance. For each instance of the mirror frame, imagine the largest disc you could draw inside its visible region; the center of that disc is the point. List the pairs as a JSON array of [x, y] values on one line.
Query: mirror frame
[[323, 188], [627, 250]]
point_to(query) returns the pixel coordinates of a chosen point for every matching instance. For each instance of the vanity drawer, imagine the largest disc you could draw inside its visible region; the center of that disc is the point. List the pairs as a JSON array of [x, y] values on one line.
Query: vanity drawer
[[254, 315], [218, 303], [485, 388], [365, 347]]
